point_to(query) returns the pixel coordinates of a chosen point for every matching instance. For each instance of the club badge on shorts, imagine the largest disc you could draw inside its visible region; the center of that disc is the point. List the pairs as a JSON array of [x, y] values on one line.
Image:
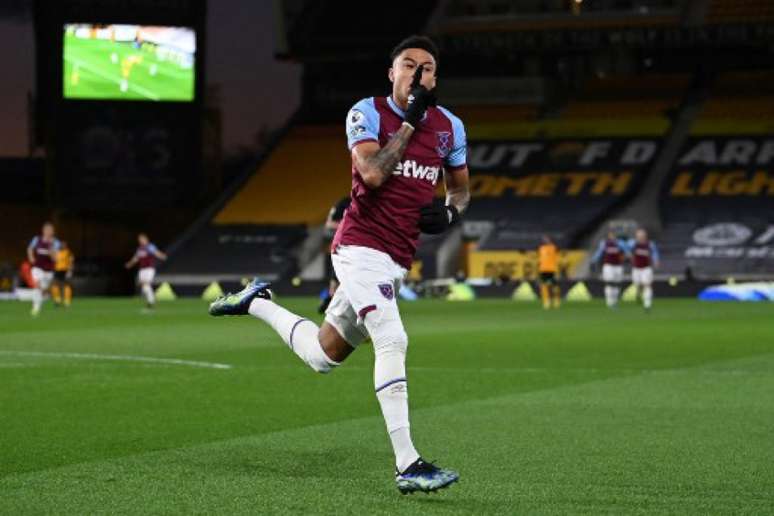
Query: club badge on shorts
[[386, 290]]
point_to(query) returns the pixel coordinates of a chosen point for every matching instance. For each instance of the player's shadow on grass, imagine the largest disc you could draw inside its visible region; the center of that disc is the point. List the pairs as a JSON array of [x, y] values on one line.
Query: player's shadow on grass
[[271, 462]]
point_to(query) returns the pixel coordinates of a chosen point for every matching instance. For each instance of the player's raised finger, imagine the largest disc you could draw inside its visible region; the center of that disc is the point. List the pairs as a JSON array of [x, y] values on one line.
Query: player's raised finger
[[417, 76]]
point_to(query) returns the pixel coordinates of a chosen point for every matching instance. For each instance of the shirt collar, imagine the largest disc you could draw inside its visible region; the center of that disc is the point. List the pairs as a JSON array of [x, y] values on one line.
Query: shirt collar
[[395, 107]]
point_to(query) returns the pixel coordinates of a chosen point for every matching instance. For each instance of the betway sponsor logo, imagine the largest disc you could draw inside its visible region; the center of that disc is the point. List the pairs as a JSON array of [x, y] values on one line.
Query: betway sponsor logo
[[411, 168]]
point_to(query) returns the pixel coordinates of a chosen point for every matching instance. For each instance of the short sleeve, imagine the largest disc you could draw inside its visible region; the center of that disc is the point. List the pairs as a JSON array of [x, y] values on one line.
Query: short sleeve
[[654, 250], [33, 243], [458, 156], [152, 248], [362, 123]]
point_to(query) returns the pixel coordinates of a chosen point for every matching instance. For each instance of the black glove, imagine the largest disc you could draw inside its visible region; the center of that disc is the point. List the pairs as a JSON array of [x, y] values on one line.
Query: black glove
[[434, 218], [420, 98]]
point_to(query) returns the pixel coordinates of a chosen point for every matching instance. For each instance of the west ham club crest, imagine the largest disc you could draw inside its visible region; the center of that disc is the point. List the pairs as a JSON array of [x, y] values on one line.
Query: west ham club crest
[[386, 290], [443, 143]]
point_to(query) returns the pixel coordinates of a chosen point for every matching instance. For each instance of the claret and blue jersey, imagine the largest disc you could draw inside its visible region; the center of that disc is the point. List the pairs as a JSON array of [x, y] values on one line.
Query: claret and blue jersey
[[612, 251], [643, 254], [44, 251], [386, 218], [146, 256]]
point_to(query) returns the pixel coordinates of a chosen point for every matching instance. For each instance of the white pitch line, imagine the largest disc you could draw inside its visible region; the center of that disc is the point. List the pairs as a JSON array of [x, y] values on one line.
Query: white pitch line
[[125, 358]]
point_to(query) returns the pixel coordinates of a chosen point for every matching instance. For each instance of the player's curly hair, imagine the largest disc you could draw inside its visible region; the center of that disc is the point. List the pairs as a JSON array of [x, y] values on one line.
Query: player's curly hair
[[416, 41]]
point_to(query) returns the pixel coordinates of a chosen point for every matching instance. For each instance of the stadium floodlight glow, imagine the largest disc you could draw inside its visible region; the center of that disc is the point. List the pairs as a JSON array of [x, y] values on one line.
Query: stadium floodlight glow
[[128, 62]]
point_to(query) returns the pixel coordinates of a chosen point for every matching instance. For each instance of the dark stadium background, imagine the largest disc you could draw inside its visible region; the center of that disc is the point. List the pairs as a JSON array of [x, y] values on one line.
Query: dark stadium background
[[582, 117], [614, 93]]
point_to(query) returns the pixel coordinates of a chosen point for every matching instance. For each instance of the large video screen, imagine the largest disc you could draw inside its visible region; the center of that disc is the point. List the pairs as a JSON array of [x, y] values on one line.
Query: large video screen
[[129, 62]]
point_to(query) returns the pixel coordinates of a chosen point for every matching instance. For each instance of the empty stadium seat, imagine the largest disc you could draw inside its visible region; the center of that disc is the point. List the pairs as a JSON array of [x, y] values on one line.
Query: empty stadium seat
[[740, 11], [308, 171], [240, 250], [643, 96]]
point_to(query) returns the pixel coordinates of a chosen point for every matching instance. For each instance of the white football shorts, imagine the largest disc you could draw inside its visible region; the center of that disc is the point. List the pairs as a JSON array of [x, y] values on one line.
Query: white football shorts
[[642, 275], [42, 278], [612, 273], [369, 283], [146, 275]]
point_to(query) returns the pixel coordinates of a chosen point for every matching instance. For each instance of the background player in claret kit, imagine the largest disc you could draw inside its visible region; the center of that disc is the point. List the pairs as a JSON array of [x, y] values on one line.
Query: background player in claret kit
[[644, 257], [612, 252], [335, 217], [145, 257], [548, 267], [401, 146], [41, 253]]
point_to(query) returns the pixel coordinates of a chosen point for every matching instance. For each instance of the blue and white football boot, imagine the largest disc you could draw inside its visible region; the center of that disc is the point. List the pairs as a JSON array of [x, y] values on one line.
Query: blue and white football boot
[[424, 476], [237, 304]]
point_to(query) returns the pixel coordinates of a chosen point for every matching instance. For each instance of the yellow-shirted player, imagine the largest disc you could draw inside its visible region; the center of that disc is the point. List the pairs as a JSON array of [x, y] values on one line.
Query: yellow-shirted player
[[548, 266], [126, 69], [63, 272]]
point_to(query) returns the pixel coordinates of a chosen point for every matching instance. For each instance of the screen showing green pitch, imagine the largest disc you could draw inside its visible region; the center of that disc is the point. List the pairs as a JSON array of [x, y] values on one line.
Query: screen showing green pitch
[[129, 62]]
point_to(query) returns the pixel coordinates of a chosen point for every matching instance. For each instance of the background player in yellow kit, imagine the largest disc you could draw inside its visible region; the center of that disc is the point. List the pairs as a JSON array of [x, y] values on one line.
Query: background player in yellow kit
[[63, 272], [548, 266], [126, 69]]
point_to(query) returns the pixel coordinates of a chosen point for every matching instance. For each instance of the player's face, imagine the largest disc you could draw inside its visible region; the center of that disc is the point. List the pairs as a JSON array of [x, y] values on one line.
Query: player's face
[[48, 230], [641, 235], [402, 72], [142, 240]]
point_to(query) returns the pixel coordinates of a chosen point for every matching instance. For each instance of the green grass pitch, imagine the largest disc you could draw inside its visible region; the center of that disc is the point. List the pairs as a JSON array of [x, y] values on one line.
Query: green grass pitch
[[93, 70], [576, 411]]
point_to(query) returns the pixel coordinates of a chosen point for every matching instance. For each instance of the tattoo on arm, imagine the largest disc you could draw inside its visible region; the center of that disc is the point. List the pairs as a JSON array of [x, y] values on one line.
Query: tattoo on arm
[[388, 156]]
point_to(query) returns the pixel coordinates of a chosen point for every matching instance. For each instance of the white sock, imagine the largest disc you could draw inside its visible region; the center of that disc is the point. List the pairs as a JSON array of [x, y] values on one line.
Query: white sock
[[298, 333], [609, 296], [37, 299], [147, 290], [392, 393], [405, 453], [615, 292], [647, 296]]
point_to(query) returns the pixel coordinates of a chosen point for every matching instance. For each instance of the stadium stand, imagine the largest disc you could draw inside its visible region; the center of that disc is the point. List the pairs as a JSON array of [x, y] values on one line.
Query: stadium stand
[[500, 8], [328, 29], [717, 205], [464, 16], [644, 97], [231, 252], [558, 192], [554, 193], [258, 230], [298, 182], [741, 95], [615, 111], [717, 236], [740, 11]]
